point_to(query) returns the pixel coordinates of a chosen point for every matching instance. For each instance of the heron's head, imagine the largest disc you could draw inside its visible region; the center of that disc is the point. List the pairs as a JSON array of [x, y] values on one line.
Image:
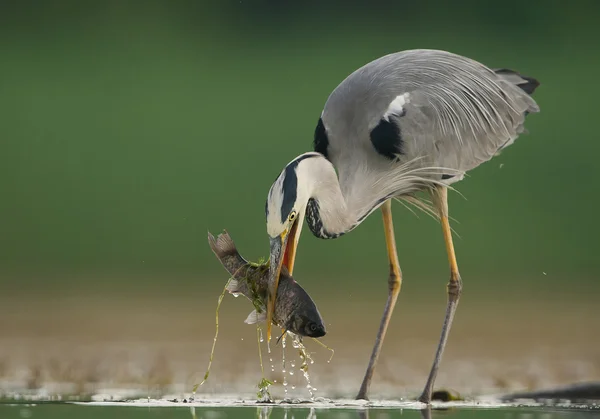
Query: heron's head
[[285, 209]]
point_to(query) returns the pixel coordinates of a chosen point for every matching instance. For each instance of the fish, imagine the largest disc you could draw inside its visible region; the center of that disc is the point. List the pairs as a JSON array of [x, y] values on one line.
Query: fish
[[295, 311]]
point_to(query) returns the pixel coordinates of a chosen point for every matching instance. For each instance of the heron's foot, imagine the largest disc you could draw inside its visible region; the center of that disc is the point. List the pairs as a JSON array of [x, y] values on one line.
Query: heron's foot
[[362, 395], [425, 397]]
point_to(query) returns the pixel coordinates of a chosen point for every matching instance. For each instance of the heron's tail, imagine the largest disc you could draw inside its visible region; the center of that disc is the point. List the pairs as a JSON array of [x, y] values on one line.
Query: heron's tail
[[526, 83]]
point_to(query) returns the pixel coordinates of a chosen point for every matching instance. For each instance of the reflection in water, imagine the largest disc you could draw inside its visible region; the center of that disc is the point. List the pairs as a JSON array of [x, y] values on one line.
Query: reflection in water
[[264, 412], [364, 412]]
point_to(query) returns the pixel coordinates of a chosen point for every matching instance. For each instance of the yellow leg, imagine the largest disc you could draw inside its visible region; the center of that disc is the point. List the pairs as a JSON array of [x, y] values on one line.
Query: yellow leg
[[440, 198], [394, 284]]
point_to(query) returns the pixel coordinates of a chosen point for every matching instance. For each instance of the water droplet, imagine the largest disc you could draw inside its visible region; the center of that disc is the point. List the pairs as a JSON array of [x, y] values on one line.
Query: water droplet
[[305, 359], [291, 372], [236, 294], [293, 387]]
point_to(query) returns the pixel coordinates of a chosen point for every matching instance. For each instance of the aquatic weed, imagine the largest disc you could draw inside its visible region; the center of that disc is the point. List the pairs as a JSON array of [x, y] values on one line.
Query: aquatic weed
[[260, 267]]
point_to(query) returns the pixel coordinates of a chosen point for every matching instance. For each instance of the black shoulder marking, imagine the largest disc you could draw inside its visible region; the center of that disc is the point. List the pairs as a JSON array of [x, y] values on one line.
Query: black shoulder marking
[[528, 87], [444, 177], [387, 139], [321, 141]]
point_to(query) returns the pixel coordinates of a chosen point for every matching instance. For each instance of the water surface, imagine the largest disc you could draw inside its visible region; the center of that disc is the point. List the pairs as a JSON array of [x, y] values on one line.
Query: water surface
[[71, 411]]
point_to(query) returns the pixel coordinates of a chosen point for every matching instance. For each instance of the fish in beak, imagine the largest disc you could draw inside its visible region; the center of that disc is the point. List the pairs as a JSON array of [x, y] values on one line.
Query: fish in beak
[[283, 252]]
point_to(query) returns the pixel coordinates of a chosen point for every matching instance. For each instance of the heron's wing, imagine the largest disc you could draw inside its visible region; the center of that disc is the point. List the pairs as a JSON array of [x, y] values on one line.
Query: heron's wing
[[451, 109], [412, 119], [463, 120]]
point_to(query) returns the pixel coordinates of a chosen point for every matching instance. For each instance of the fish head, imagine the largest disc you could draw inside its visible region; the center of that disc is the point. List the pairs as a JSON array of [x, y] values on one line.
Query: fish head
[[306, 325], [303, 316]]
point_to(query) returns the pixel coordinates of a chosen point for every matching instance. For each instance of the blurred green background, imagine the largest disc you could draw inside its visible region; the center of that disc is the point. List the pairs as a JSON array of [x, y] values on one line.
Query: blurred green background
[[129, 129]]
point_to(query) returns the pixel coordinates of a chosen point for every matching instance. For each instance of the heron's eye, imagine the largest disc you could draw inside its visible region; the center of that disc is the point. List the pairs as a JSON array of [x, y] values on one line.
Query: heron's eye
[[292, 216]]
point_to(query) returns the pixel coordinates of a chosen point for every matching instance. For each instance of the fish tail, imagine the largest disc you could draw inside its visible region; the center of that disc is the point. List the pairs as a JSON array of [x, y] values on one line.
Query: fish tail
[[222, 245]]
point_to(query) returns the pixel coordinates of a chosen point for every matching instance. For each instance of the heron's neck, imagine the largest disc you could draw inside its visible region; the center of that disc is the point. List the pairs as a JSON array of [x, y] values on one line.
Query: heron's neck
[[329, 213]]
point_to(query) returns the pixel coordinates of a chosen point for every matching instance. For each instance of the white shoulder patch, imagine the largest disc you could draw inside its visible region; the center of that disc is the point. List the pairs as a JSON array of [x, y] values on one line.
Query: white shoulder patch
[[396, 106]]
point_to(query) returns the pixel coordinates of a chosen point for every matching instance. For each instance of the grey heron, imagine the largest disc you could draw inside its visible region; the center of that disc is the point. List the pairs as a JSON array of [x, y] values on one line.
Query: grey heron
[[407, 122]]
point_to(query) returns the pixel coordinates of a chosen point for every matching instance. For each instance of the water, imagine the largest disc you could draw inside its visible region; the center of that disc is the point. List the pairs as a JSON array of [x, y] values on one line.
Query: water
[[72, 411], [306, 358], [283, 368], [483, 361]]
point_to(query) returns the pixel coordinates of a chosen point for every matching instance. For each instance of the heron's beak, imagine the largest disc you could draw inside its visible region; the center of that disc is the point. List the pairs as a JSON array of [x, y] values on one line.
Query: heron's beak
[[283, 252]]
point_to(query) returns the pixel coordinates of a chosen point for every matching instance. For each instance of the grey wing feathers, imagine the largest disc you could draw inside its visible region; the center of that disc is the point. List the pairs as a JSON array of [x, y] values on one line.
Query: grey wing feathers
[[452, 114], [459, 112]]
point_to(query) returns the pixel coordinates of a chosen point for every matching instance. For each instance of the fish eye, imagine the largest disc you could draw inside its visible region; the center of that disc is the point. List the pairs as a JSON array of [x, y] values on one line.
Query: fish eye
[[292, 216], [313, 327]]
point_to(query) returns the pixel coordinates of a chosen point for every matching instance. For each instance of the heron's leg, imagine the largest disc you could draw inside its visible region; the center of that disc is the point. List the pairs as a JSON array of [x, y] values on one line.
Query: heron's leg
[[394, 283], [440, 198]]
